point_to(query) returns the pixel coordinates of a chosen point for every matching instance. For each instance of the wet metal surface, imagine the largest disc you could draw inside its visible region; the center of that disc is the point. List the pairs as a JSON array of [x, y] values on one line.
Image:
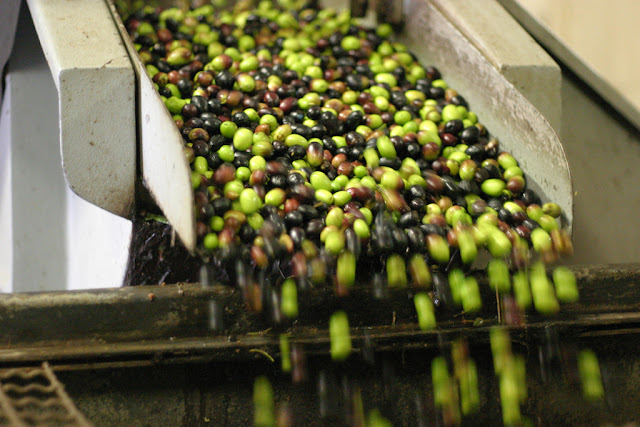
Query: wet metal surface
[[220, 393], [171, 323]]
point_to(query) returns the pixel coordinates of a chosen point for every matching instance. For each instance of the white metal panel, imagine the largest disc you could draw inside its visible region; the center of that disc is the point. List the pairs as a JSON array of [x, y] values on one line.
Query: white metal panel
[[573, 62], [50, 238], [96, 90], [97, 245], [508, 115], [8, 20], [6, 205], [501, 40], [36, 183]]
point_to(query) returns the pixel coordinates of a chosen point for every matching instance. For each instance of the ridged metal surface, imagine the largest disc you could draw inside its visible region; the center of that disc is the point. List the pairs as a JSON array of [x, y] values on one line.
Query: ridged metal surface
[[33, 396]]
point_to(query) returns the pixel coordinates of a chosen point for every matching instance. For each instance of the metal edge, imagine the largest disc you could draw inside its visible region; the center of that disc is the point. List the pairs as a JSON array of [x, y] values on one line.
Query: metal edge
[[511, 50], [164, 167], [171, 322], [519, 126], [571, 60]]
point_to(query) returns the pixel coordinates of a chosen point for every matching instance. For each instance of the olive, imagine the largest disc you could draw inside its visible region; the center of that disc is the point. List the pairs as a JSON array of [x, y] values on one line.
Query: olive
[[453, 126], [469, 135], [304, 144]]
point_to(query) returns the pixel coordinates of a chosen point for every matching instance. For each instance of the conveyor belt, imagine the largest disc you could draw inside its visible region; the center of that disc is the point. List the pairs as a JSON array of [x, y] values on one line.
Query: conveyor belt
[[172, 323]]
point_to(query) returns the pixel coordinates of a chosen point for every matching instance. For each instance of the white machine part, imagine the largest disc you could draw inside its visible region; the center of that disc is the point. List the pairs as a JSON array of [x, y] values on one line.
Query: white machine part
[[56, 240]]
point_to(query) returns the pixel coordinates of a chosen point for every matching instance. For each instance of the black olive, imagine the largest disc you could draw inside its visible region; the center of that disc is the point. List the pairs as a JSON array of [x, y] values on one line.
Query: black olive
[[423, 164], [241, 119], [295, 178], [144, 40], [246, 233], [329, 144], [215, 106], [505, 215], [354, 82], [293, 219], [332, 93], [172, 24], [159, 49], [530, 224], [321, 207], [318, 131], [194, 122], [241, 159], [225, 79], [442, 293], [476, 152], [478, 207], [343, 150], [314, 112], [217, 141], [296, 152], [433, 229], [267, 210], [453, 126], [297, 234], [409, 219], [400, 74], [315, 227], [398, 99], [302, 193], [494, 171], [335, 38], [164, 91], [352, 242], [481, 175], [213, 160], [459, 100], [353, 138], [494, 203], [469, 187], [198, 48], [301, 129], [355, 153], [301, 91], [400, 240], [308, 212], [417, 205], [297, 115], [384, 241], [392, 163], [185, 86], [328, 119], [469, 135], [279, 148], [354, 119], [451, 188], [530, 197], [436, 92], [399, 145], [416, 239], [212, 125], [413, 150], [221, 205], [461, 201], [201, 148]]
